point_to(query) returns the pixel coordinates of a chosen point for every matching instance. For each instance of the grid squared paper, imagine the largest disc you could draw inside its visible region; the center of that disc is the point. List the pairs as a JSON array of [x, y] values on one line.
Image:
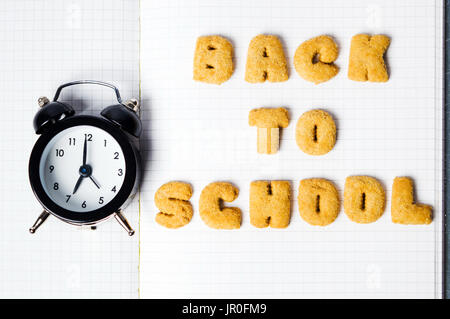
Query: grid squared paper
[[198, 133], [45, 44]]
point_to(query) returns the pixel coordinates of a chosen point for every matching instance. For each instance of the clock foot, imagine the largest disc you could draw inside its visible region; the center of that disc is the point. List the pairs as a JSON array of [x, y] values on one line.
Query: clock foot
[[124, 223], [39, 221]]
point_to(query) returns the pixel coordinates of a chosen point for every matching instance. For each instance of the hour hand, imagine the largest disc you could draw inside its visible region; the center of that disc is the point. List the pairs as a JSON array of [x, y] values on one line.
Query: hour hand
[[77, 184]]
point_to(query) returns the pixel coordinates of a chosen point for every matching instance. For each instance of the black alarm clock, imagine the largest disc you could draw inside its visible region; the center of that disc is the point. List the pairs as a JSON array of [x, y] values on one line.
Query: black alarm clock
[[84, 169]]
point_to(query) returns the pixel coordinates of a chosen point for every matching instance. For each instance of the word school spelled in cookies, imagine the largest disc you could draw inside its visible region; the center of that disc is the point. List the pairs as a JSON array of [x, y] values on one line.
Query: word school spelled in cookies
[[319, 202], [270, 203]]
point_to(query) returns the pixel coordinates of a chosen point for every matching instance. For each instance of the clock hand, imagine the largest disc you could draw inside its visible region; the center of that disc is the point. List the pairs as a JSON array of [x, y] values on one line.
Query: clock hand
[[77, 184], [94, 181], [85, 150]]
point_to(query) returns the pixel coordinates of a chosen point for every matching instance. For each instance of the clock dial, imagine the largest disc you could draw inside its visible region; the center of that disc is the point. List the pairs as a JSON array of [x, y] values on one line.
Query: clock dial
[[82, 168]]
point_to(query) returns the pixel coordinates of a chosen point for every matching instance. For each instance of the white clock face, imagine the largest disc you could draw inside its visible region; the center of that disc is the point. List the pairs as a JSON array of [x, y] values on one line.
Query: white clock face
[[82, 178]]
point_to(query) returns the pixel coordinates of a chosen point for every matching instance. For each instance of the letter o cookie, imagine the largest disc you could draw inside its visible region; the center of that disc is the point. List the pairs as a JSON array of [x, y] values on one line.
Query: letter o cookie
[[364, 199], [315, 132], [211, 202], [325, 51], [318, 201]]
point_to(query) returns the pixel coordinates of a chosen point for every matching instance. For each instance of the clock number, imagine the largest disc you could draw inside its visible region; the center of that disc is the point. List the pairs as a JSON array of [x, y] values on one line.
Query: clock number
[[88, 137], [71, 140], [116, 155], [51, 168], [105, 143], [55, 186], [84, 204], [100, 200], [59, 152], [68, 197], [113, 189], [120, 173]]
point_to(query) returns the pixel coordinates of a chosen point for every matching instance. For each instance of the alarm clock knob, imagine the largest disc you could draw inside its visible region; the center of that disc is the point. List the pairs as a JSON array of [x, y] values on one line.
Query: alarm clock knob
[[125, 115], [49, 113]]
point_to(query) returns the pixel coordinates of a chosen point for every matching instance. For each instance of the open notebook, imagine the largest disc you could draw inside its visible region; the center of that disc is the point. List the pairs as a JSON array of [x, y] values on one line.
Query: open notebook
[[198, 133]]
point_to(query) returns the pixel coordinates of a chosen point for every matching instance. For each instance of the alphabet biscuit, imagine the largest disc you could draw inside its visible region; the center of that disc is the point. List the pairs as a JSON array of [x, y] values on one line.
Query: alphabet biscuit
[[313, 59], [268, 121], [403, 209], [367, 58], [315, 132], [318, 201], [172, 199], [211, 207], [213, 59], [270, 204], [364, 199], [266, 60]]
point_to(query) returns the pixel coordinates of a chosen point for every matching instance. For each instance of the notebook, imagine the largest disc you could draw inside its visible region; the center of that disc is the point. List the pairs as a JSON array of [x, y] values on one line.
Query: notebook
[[198, 133], [45, 44]]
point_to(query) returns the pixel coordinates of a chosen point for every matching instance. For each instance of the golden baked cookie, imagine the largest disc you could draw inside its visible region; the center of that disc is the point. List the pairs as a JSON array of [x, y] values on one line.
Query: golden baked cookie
[[266, 60], [367, 58], [211, 207], [364, 199], [318, 201], [313, 59], [270, 204], [315, 132], [213, 59], [403, 209], [268, 121], [172, 199]]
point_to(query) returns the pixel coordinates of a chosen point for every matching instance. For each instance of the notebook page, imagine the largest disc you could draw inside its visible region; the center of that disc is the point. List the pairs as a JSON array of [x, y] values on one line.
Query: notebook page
[[199, 133], [45, 44]]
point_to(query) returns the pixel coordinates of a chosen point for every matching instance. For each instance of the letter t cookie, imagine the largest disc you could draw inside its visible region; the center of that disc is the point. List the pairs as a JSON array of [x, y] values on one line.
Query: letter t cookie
[[268, 121]]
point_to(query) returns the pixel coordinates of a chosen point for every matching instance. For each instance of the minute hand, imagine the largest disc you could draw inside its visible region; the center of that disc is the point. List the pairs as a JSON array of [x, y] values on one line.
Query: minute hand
[[85, 150]]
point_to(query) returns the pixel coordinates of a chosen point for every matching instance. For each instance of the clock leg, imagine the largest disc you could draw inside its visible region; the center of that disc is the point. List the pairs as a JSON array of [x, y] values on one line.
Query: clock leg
[[123, 222], [39, 221]]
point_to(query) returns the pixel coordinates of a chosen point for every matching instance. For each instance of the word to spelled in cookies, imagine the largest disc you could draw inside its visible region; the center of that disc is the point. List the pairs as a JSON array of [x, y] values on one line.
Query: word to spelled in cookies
[[314, 59], [270, 203]]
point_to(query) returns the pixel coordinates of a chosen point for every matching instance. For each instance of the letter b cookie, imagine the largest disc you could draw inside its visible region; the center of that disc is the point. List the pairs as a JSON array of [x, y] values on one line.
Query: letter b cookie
[[213, 60]]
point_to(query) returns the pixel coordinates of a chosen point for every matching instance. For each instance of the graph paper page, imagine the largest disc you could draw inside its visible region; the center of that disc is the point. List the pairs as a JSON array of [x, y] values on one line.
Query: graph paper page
[[199, 133], [47, 43]]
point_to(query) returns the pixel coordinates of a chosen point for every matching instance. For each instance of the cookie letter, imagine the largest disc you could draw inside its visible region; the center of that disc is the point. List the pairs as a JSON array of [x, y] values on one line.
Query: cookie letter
[[364, 199], [315, 132], [172, 199], [366, 58], [403, 209], [318, 201], [266, 60], [270, 204], [268, 122], [313, 59], [213, 60], [212, 211]]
